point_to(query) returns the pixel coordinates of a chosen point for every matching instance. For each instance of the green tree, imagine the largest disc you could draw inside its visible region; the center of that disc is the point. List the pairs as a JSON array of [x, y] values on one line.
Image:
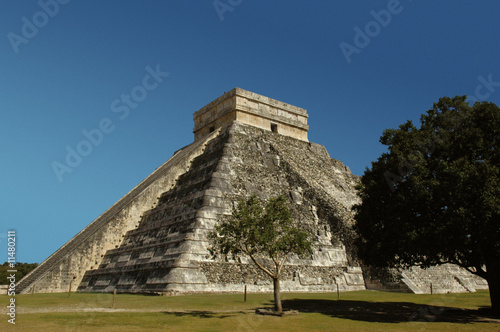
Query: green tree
[[21, 268], [266, 234], [433, 198]]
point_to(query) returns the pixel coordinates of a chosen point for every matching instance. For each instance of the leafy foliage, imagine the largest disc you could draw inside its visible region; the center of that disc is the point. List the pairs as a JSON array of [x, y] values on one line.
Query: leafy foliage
[[434, 196], [22, 270], [260, 231]]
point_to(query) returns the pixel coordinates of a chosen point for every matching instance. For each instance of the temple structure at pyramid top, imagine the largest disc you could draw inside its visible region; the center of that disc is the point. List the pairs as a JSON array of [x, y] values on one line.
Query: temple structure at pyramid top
[[252, 109]]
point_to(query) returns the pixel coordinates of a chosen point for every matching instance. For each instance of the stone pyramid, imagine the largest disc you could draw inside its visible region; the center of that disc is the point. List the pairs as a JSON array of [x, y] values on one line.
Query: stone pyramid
[[154, 239]]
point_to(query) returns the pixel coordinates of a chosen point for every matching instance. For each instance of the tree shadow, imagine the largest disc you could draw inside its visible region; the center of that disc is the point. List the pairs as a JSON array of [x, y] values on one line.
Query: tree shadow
[[391, 312], [198, 314]]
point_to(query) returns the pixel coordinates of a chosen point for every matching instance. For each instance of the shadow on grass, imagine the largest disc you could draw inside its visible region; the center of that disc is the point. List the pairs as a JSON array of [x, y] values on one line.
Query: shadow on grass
[[390, 312], [198, 314]]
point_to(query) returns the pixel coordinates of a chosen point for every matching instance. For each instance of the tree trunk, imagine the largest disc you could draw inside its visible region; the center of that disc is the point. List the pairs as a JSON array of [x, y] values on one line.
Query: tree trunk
[[277, 298], [493, 278]]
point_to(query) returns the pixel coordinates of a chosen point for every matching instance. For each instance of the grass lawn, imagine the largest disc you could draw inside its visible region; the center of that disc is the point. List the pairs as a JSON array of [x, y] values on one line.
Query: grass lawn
[[355, 311]]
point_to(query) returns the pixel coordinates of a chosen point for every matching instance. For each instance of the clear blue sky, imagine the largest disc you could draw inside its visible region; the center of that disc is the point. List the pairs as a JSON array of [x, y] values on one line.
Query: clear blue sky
[[63, 78]]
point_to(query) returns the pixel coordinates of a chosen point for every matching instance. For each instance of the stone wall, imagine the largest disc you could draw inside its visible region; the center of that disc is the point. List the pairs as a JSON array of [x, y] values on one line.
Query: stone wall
[[446, 278]]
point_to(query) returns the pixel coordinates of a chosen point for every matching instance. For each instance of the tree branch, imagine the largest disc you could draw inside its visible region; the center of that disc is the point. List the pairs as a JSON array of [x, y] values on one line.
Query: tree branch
[[275, 262], [478, 271], [282, 263], [261, 267]]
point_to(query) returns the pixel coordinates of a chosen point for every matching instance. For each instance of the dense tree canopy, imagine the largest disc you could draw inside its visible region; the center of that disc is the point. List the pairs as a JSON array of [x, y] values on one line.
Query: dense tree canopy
[[434, 198], [265, 234], [21, 268]]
